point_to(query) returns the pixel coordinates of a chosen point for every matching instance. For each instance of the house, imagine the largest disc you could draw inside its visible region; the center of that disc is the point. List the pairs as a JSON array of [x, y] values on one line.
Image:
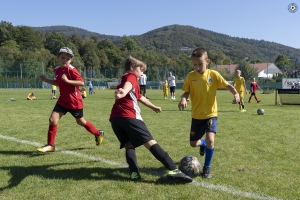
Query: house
[[264, 70]]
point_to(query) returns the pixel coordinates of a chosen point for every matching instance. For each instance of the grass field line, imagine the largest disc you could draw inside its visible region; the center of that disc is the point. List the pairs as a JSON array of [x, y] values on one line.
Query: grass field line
[[154, 173]]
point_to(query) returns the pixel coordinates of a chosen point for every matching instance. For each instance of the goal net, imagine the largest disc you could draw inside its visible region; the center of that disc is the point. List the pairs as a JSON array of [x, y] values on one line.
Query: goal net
[[287, 97]]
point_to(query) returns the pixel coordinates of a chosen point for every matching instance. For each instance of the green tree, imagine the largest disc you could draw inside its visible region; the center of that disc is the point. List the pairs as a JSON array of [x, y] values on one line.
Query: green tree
[[28, 39]]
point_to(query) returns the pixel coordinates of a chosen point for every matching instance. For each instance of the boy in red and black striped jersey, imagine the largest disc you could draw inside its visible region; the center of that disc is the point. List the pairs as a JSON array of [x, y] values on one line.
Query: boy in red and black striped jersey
[[69, 81], [129, 127]]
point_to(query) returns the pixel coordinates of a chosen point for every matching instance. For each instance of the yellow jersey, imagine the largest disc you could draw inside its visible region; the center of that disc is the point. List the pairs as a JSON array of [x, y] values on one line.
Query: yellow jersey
[[203, 91], [53, 87], [239, 84]]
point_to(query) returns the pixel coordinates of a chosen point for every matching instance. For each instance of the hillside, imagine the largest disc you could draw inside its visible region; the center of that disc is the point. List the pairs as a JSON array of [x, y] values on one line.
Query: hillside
[[170, 39], [69, 31]]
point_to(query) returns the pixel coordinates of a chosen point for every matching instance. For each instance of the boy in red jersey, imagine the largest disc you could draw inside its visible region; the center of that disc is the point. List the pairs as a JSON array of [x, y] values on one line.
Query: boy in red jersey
[[253, 87], [69, 80], [129, 127], [202, 84]]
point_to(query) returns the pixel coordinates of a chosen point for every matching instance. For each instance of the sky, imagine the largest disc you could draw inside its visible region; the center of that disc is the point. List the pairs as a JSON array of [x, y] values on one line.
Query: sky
[[268, 20]]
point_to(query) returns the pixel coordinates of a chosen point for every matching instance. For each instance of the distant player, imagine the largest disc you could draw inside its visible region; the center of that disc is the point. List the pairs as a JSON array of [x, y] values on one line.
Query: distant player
[[166, 89], [172, 85], [53, 87], [252, 92], [240, 86], [69, 80]]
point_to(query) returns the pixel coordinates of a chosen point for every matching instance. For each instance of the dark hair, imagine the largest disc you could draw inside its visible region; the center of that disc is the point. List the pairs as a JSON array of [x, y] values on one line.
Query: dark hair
[[134, 62], [199, 52]]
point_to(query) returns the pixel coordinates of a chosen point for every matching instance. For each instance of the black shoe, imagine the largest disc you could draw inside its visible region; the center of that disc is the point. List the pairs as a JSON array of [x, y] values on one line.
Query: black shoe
[[177, 174], [202, 150], [206, 172]]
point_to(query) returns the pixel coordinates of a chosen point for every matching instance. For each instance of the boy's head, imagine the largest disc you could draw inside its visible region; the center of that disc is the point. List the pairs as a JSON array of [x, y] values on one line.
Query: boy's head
[[131, 63], [66, 50], [65, 56], [238, 72], [200, 59]]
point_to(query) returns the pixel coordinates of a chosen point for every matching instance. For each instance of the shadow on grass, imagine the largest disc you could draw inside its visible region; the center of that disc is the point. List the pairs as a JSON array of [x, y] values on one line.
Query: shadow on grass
[[19, 173]]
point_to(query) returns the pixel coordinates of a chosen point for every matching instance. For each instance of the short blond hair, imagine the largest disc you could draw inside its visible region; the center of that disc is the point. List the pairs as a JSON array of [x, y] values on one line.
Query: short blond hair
[[134, 62]]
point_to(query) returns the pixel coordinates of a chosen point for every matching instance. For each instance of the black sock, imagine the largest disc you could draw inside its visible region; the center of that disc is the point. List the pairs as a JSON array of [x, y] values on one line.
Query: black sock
[[243, 106], [162, 156], [131, 160]]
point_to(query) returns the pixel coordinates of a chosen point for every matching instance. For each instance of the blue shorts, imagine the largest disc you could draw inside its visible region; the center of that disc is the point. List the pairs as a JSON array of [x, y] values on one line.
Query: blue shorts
[[200, 127]]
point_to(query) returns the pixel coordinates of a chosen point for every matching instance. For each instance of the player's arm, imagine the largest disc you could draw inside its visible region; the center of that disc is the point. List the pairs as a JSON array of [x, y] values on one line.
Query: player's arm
[[72, 82], [46, 80], [148, 103], [245, 87], [182, 104], [259, 88], [122, 92], [234, 92]]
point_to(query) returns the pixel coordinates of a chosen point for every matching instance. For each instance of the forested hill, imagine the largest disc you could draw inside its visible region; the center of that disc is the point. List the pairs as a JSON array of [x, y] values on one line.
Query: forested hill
[[68, 31], [170, 39]]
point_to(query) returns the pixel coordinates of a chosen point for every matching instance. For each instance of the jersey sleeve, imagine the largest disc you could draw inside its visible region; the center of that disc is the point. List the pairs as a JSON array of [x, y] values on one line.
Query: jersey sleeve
[[186, 84]]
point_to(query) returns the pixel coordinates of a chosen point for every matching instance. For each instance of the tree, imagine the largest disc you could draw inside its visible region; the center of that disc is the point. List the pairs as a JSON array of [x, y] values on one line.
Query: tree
[[28, 39]]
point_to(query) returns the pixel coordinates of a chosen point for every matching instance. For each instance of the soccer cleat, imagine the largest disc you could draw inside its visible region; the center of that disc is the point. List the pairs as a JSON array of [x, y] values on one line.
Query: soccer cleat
[[206, 172], [99, 138], [202, 150], [46, 148], [243, 110], [135, 176], [258, 101], [178, 175]]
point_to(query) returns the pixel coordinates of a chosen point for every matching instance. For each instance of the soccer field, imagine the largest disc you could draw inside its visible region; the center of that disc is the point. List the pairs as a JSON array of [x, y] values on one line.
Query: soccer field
[[256, 156]]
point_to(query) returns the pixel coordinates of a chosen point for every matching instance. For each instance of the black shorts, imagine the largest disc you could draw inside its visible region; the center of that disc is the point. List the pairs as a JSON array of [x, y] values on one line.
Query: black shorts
[[142, 89], [75, 113], [130, 130], [172, 89], [200, 127], [253, 93]]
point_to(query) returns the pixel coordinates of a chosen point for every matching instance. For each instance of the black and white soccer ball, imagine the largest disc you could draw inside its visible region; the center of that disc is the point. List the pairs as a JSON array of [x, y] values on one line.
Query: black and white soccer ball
[[260, 111], [190, 165], [292, 7]]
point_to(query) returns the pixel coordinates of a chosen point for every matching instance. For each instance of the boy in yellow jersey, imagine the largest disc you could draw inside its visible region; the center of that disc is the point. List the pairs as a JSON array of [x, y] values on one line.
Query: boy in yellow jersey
[[166, 89], [53, 87], [240, 86], [201, 85]]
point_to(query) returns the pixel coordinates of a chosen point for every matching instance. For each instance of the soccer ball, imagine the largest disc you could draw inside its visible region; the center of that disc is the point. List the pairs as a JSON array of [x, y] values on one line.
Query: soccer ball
[[190, 165], [260, 111]]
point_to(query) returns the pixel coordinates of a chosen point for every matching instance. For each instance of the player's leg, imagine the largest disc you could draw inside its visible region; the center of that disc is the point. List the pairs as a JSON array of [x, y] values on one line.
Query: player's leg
[[242, 104], [197, 131], [52, 130], [211, 129], [132, 162], [99, 134]]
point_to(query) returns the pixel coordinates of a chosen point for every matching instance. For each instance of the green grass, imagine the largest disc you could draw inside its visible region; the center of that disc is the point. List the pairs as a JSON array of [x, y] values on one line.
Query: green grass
[[255, 156]]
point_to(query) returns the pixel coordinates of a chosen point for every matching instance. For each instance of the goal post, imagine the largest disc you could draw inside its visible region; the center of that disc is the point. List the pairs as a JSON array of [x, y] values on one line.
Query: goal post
[[287, 96]]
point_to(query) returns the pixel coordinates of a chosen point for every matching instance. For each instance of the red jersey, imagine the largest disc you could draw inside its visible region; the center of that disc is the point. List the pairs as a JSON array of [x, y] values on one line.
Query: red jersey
[[127, 106], [70, 96], [253, 87]]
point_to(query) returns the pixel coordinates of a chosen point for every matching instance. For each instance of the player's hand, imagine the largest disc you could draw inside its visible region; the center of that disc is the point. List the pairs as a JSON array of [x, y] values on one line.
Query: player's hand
[[157, 109], [42, 77], [236, 99], [182, 104], [64, 78], [119, 93]]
